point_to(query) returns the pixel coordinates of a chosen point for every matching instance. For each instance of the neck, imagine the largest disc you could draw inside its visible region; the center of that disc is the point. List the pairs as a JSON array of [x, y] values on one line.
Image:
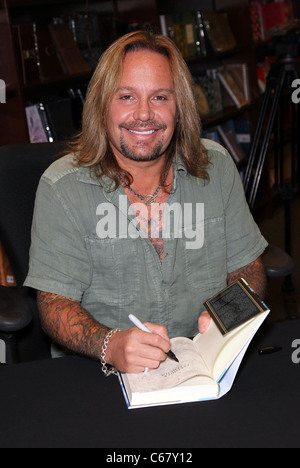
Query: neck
[[146, 175]]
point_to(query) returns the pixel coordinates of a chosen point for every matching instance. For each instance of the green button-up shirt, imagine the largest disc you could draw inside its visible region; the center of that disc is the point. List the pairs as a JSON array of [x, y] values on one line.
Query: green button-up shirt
[[85, 245]]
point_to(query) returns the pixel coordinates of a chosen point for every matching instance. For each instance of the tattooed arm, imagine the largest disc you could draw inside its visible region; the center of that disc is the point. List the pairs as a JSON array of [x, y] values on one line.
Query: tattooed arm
[[254, 274], [70, 325]]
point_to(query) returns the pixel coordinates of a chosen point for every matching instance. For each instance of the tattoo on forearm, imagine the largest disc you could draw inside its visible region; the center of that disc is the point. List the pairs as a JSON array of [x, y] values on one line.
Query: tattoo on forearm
[[254, 274], [67, 323]]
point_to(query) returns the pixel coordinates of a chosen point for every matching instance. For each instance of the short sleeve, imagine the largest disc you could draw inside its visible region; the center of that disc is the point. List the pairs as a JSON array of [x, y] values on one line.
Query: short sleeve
[[245, 242], [59, 261]]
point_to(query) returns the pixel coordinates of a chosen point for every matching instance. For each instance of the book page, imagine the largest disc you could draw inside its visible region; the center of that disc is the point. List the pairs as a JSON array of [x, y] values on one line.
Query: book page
[[171, 373], [209, 344], [218, 351]]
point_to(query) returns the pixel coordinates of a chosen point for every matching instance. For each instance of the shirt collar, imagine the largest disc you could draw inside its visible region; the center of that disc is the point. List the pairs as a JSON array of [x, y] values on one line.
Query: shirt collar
[[85, 174]]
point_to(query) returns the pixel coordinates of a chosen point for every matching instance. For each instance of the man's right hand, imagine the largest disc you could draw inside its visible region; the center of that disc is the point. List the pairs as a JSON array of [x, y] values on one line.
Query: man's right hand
[[133, 350]]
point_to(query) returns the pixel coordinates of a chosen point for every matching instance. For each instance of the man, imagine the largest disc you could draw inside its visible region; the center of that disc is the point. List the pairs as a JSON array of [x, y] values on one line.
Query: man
[[109, 237]]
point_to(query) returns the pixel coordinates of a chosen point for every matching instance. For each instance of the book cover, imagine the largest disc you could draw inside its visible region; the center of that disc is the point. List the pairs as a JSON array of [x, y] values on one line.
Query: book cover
[[233, 79], [189, 25], [275, 13], [37, 133], [201, 38], [235, 305], [257, 21], [179, 34], [219, 31], [167, 26], [212, 91], [243, 134], [202, 102], [229, 140]]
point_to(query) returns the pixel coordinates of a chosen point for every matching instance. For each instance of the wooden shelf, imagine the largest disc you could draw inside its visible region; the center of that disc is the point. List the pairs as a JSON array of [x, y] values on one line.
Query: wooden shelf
[[230, 113], [216, 56], [38, 90]]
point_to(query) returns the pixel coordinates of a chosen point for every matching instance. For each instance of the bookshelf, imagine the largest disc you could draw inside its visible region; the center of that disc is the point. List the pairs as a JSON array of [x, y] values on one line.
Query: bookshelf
[[121, 13], [12, 115]]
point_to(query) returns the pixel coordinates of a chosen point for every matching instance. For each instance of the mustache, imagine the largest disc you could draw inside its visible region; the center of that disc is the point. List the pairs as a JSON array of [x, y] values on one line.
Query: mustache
[[151, 124]]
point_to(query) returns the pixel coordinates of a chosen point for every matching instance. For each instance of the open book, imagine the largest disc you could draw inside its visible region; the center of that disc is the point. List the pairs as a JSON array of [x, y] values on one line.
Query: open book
[[207, 367]]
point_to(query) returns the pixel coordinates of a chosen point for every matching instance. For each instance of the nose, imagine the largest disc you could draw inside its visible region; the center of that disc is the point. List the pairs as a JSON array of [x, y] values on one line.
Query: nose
[[143, 111]]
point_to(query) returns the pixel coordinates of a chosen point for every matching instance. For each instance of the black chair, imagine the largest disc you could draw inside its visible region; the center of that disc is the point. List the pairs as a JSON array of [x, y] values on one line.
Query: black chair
[[15, 316], [21, 167], [277, 262]]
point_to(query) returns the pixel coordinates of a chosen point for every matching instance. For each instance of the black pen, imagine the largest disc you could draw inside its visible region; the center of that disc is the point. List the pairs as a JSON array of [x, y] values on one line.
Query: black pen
[[143, 327], [269, 350]]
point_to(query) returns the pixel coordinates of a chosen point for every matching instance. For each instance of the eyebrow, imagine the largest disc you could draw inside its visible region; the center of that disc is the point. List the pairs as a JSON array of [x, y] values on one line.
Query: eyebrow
[[160, 90]]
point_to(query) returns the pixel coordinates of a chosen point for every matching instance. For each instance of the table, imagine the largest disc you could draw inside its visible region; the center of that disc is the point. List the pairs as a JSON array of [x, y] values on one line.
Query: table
[[68, 403]]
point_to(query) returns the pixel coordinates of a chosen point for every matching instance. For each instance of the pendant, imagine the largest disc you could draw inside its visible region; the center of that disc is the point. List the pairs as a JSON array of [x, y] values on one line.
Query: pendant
[[149, 200]]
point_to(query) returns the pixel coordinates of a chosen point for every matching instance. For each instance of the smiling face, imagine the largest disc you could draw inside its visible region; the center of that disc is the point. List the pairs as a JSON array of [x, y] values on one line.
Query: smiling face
[[142, 115]]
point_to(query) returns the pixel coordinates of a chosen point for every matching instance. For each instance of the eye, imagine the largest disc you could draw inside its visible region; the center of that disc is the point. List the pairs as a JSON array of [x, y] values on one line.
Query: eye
[[127, 97], [160, 98]]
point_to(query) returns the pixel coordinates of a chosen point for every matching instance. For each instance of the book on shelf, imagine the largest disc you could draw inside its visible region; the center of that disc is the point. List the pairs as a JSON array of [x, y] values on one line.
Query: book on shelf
[[55, 119], [48, 61], [229, 140], [187, 31], [167, 26], [68, 50], [60, 118], [275, 13], [211, 87], [211, 134], [92, 32], [201, 38], [265, 16], [197, 33], [190, 39], [37, 123], [235, 82], [262, 70], [202, 101], [179, 34], [257, 21], [243, 134], [47, 52], [24, 36], [208, 364], [218, 30]]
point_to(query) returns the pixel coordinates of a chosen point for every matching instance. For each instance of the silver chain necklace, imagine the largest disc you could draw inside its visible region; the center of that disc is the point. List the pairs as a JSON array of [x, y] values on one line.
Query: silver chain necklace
[[147, 199]]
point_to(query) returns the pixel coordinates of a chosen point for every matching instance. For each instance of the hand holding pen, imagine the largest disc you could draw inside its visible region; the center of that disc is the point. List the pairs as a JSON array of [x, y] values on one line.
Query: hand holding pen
[[142, 327], [131, 351]]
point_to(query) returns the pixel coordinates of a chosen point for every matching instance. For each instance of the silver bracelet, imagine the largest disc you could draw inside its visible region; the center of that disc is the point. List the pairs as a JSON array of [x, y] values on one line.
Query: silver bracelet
[[105, 370]]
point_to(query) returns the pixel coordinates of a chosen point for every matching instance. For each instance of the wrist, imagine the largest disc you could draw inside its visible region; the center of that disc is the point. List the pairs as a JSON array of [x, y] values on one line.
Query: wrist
[[105, 356]]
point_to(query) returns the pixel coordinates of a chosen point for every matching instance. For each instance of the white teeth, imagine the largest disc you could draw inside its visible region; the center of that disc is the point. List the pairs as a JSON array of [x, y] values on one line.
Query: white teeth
[[149, 132]]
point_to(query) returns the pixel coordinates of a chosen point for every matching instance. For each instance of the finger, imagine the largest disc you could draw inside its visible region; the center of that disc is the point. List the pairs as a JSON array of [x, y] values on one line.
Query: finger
[[204, 322], [144, 349], [158, 330], [141, 364]]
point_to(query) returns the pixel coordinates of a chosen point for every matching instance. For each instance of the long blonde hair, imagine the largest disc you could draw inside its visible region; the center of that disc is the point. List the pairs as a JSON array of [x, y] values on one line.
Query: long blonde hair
[[92, 146]]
